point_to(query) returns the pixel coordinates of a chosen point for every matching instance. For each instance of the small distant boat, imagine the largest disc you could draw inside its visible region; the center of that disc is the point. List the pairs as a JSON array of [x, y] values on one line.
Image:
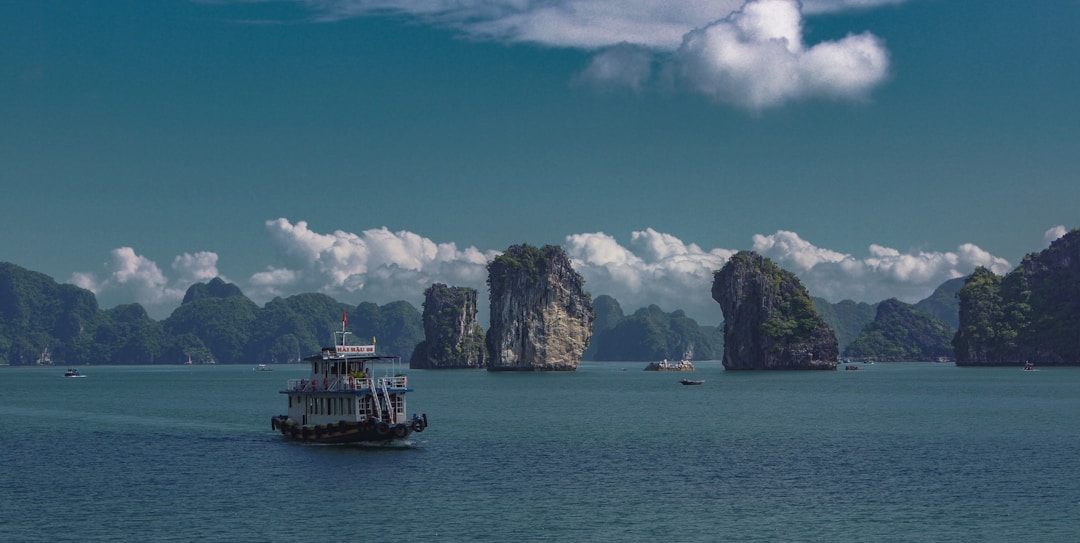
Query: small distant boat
[[850, 367], [262, 367], [1028, 366], [692, 381], [72, 372]]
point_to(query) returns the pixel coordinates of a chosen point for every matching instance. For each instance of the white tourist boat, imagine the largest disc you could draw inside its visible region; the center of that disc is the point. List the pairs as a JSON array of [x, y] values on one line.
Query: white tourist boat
[[343, 402]]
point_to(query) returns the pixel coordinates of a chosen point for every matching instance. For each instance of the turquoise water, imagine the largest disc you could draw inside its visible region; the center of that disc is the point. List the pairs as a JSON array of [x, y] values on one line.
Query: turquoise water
[[896, 452]]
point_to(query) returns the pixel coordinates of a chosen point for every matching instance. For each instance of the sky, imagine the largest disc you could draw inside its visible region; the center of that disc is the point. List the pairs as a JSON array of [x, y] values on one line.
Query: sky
[[369, 148]]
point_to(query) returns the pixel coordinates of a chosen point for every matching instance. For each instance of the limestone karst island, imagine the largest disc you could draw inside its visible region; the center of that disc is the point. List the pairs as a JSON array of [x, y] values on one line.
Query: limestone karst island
[[542, 318]]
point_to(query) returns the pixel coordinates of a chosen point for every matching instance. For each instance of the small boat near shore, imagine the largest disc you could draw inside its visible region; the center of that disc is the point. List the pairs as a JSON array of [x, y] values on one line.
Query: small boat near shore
[[343, 402], [72, 372], [262, 367], [664, 365], [692, 381]]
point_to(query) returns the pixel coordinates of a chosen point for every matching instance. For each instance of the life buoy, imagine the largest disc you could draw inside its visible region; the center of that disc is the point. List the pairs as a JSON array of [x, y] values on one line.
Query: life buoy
[[352, 382], [418, 425], [325, 383]]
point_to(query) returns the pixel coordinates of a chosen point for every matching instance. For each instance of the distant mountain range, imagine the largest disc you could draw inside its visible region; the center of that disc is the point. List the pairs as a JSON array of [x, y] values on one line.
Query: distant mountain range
[[849, 319], [42, 321]]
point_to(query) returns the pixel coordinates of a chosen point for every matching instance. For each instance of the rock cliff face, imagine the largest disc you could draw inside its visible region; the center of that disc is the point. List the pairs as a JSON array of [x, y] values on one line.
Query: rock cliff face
[[541, 318], [452, 337], [769, 320], [1031, 314]]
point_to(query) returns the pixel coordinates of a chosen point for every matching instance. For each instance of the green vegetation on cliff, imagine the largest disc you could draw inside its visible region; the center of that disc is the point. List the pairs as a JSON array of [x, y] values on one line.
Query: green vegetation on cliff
[[1031, 314], [521, 261], [62, 324], [900, 332], [452, 336], [769, 319], [846, 318], [650, 334]]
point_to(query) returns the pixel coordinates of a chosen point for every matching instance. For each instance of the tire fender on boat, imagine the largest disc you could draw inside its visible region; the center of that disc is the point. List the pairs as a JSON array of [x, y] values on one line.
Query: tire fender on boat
[[401, 431], [382, 428], [417, 425]]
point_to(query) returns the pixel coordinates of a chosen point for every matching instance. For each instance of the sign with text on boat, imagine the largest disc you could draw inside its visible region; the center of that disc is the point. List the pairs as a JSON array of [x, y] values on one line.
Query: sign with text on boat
[[355, 349]]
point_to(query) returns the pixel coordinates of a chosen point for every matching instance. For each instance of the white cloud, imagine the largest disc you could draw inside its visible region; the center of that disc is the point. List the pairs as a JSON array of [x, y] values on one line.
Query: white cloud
[[621, 66], [129, 277], [788, 247], [657, 269], [381, 266], [376, 265], [884, 273], [756, 58], [1054, 233], [747, 53], [196, 268], [585, 24]]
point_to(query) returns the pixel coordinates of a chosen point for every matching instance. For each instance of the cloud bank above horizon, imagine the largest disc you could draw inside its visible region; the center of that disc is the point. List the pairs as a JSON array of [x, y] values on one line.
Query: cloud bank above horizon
[[746, 53], [381, 266]]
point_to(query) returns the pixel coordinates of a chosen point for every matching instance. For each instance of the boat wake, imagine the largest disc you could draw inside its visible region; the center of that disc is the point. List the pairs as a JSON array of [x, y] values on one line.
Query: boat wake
[[371, 445]]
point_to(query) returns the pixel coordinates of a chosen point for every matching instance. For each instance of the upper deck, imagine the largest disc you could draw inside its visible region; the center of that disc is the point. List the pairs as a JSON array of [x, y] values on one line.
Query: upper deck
[[349, 384]]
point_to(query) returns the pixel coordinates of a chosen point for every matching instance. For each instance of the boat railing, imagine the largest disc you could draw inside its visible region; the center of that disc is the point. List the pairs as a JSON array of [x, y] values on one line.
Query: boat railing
[[397, 381], [347, 383]]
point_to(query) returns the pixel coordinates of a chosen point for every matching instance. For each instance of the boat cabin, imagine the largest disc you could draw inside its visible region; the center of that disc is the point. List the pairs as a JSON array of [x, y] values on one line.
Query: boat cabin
[[342, 387]]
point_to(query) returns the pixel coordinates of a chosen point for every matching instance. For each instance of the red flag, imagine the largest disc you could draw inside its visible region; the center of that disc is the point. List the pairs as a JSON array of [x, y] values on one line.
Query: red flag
[[343, 320]]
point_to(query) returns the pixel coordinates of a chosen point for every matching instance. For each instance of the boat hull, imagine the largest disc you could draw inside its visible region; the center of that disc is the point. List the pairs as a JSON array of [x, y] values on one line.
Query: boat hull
[[347, 431]]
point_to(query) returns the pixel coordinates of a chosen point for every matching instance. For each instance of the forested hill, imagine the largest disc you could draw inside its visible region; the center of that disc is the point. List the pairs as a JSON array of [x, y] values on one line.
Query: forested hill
[[1032, 314], [42, 321], [650, 334], [902, 332]]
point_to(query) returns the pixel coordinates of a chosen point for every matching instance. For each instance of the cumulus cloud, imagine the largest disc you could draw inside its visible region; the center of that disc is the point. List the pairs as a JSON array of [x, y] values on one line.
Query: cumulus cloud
[[747, 53], [651, 267], [1054, 233], [756, 58], [130, 277], [656, 268], [384, 266], [883, 273]]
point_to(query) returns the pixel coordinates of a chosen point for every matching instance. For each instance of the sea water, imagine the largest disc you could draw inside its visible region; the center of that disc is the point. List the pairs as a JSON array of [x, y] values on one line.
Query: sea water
[[895, 452]]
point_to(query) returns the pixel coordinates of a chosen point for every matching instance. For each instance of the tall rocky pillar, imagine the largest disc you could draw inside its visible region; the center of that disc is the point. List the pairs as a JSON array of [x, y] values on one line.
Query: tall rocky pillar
[[541, 317], [452, 336], [769, 320]]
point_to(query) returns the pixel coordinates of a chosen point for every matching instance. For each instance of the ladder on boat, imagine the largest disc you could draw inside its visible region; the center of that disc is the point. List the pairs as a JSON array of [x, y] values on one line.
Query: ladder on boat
[[385, 400]]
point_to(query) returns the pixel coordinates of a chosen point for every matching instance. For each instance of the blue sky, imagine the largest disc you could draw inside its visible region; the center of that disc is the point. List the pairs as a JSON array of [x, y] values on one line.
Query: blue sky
[[367, 148]]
